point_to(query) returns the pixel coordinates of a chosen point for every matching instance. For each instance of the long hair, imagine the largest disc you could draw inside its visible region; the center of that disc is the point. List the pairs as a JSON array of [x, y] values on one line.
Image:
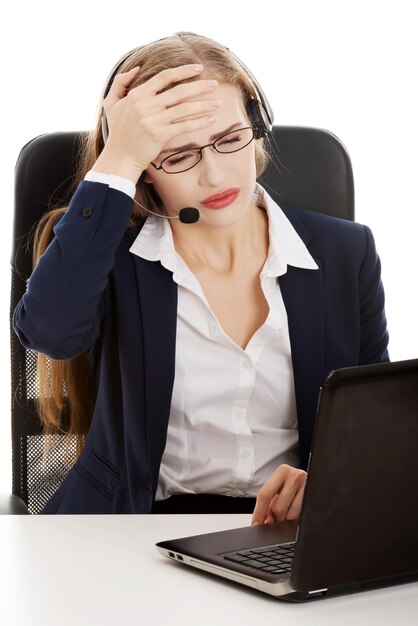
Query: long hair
[[65, 403]]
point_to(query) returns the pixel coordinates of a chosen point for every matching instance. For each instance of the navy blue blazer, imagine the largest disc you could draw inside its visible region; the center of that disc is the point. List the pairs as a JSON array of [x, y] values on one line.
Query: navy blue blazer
[[89, 293]]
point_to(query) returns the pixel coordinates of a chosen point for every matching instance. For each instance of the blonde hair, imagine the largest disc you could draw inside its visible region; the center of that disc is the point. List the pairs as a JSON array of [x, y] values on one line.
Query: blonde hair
[[65, 393]]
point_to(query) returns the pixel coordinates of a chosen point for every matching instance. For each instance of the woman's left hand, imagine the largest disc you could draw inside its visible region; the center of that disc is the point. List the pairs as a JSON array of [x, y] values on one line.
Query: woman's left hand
[[280, 498]]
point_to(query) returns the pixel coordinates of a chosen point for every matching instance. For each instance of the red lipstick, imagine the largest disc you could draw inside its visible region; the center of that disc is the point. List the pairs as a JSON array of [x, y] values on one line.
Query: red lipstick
[[222, 199]]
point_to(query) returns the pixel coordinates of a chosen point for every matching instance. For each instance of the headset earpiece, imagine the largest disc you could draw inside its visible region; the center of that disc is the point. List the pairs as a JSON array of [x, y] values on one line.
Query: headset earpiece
[[258, 120]]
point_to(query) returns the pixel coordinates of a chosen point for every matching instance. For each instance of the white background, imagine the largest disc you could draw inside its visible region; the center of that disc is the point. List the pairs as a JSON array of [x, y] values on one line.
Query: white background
[[348, 66]]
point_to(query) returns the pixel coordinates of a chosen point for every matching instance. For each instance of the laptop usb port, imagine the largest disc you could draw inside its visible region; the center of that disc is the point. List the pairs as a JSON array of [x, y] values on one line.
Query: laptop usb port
[[179, 557], [318, 592]]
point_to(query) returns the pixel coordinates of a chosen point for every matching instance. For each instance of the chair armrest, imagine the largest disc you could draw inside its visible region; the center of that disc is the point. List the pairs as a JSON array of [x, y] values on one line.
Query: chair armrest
[[12, 505]]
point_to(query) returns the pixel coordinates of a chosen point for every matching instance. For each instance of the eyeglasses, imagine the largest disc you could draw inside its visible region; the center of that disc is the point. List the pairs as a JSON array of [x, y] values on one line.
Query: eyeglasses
[[186, 159]]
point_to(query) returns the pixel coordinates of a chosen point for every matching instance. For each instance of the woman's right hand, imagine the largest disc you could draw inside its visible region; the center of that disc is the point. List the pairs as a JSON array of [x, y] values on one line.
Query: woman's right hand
[[142, 122]]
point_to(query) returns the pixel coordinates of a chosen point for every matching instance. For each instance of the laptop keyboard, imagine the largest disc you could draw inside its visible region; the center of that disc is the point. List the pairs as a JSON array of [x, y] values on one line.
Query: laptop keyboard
[[275, 559]]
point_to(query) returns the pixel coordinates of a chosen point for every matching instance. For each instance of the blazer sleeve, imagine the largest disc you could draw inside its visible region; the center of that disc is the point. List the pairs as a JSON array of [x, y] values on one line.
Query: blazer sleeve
[[61, 311], [374, 335]]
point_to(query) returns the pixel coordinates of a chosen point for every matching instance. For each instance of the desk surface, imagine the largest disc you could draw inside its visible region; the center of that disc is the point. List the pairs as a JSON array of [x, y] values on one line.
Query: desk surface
[[104, 570]]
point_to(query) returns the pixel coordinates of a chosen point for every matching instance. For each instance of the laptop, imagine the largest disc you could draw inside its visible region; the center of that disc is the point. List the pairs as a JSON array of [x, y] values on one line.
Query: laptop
[[358, 527]]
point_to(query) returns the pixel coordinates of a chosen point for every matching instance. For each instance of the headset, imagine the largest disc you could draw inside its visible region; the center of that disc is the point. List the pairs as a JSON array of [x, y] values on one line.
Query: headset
[[258, 109]]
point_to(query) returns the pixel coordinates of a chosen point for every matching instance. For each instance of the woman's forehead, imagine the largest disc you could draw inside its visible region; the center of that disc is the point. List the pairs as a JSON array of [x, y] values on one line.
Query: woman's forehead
[[229, 113]]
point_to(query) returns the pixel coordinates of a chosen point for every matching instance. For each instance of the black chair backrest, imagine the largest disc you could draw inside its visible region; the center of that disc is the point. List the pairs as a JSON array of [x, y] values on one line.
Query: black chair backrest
[[310, 168]]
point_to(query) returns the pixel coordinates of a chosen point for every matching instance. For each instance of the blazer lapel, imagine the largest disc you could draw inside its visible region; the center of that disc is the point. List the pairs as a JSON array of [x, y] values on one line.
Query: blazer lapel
[[158, 298], [303, 296]]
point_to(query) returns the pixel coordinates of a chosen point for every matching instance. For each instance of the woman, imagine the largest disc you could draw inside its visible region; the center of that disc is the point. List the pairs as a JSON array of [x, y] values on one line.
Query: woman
[[207, 340]]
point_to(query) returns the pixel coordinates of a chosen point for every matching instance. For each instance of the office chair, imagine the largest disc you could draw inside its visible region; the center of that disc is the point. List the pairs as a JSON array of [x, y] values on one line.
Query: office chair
[[309, 168]]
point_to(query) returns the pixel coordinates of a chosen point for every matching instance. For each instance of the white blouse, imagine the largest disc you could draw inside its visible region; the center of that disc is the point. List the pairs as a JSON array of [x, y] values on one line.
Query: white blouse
[[233, 414]]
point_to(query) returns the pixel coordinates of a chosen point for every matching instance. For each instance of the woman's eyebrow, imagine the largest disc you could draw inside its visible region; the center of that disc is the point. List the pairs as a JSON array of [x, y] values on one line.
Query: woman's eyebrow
[[194, 145]]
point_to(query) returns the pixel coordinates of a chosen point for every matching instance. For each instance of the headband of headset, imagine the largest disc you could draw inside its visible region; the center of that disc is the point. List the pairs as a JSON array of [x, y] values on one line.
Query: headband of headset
[[258, 109]]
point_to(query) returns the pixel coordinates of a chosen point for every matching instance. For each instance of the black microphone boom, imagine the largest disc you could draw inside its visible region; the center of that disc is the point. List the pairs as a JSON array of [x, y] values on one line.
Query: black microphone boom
[[188, 215]]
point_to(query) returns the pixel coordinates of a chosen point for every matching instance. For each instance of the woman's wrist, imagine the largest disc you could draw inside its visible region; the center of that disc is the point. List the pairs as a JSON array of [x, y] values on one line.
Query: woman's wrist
[[114, 182], [110, 163]]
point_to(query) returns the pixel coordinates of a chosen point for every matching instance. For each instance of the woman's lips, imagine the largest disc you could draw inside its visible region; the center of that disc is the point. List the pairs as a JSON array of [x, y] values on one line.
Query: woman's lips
[[221, 200]]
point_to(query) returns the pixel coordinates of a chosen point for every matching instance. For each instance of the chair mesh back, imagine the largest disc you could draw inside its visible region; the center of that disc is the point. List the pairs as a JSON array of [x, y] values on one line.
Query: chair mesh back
[[36, 475], [310, 169], [44, 177]]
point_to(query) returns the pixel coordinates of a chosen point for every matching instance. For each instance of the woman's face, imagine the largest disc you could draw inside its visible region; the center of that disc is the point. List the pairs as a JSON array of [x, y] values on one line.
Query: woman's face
[[215, 173]]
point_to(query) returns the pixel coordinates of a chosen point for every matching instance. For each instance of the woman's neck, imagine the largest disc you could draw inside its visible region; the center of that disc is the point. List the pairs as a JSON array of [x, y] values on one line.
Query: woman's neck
[[224, 250]]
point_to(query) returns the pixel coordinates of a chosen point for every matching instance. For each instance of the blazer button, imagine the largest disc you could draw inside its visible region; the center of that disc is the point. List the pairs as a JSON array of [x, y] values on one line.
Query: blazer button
[[87, 211]]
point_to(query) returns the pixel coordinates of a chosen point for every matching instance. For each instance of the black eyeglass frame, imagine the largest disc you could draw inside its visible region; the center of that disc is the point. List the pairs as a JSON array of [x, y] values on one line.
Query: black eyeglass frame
[[208, 145]]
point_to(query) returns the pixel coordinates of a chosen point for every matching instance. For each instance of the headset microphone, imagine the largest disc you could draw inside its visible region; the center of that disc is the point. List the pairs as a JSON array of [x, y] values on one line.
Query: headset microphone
[[188, 215]]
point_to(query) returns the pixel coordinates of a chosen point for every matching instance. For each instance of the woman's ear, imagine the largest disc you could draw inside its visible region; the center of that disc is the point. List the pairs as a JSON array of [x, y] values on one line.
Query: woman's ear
[[145, 178]]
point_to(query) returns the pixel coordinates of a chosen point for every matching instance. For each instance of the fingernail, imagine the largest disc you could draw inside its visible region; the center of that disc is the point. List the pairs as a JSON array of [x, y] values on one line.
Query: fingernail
[[211, 118], [255, 523], [197, 68], [212, 83]]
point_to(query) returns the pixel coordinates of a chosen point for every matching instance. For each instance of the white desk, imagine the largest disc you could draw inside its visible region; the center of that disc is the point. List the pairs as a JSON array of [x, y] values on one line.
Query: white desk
[[105, 570]]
